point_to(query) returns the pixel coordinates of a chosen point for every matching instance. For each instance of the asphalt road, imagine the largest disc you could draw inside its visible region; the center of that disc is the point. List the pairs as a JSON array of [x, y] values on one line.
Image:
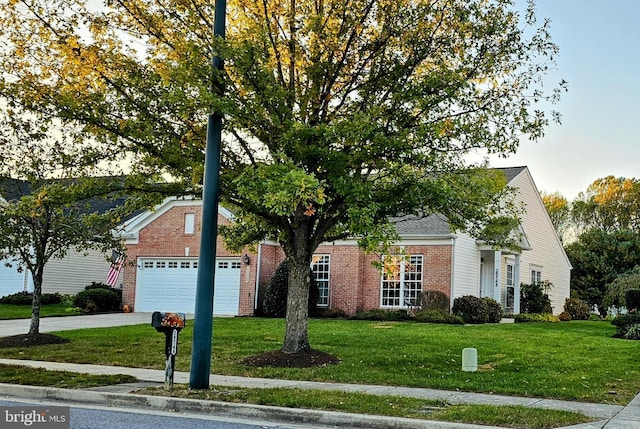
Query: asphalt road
[[92, 417]]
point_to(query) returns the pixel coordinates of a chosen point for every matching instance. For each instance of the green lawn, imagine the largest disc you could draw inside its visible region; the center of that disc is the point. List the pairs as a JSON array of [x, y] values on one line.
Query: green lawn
[[573, 361], [24, 311]]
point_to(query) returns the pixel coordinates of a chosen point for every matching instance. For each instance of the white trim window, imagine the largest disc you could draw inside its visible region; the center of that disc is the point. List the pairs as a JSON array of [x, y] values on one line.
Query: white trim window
[[189, 223], [320, 269], [510, 292], [536, 275], [401, 280]]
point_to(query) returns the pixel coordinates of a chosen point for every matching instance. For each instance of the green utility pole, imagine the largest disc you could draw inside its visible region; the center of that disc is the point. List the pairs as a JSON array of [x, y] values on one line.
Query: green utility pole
[[203, 322]]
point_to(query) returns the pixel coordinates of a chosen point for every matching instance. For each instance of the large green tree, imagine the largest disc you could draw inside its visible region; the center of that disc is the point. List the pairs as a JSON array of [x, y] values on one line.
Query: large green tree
[[339, 113]]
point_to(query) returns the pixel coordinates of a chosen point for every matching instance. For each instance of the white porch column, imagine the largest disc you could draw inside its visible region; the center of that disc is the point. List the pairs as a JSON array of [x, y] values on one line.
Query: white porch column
[[516, 285], [497, 269]]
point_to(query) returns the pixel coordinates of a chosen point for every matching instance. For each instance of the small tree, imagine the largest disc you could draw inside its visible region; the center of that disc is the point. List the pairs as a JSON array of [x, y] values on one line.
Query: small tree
[[46, 209]]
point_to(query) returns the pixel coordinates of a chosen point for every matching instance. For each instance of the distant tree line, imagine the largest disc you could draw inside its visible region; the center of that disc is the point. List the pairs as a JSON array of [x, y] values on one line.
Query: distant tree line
[[601, 232]]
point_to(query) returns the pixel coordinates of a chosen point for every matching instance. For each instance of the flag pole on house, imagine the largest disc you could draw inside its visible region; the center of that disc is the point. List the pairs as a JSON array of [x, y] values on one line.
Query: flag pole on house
[[117, 261]]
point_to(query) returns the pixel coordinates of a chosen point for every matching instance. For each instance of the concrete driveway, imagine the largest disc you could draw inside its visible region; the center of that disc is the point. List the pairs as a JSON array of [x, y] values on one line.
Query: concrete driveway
[[52, 324]]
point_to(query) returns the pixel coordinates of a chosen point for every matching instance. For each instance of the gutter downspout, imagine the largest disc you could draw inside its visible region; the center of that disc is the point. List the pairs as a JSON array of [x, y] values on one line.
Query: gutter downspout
[[258, 265]]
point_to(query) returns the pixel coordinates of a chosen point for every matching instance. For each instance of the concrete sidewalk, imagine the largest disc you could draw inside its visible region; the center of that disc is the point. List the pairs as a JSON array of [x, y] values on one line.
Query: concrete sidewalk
[[54, 324], [607, 416]]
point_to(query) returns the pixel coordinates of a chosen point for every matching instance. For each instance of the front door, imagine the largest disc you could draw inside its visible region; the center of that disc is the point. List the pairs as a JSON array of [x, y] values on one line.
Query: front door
[[486, 276]]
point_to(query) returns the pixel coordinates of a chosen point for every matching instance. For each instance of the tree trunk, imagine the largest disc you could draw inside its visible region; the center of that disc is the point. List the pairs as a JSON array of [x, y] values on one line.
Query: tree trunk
[[296, 338], [34, 328]]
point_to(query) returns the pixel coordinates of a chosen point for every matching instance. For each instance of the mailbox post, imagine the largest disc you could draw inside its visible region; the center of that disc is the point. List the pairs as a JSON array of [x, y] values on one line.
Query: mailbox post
[[170, 324]]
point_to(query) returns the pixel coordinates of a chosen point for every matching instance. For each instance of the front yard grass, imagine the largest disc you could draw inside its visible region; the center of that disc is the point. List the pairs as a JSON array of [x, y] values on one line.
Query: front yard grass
[[15, 374], [571, 361], [8, 312], [392, 406]]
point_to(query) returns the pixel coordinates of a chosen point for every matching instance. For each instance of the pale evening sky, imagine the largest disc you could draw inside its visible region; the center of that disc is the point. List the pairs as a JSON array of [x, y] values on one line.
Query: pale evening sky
[[599, 57]]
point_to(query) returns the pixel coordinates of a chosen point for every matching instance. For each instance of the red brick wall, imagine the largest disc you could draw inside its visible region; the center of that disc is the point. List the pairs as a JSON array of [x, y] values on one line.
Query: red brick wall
[[354, 283], [165, 237]]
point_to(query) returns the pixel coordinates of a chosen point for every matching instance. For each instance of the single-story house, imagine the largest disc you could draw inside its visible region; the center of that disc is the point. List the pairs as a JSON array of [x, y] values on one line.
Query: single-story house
[[163, 247]]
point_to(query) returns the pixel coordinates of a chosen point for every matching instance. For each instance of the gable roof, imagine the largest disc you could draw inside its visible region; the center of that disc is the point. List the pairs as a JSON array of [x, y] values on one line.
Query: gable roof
[[434, 224], [510, 173], [134, 225], [437, 224]]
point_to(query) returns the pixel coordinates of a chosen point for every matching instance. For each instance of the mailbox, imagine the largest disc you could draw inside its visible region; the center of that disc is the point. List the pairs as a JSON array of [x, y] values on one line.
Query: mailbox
[[170, 324], [167, 321]]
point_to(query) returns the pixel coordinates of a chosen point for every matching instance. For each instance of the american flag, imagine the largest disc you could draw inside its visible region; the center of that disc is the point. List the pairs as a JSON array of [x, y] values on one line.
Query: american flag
[[117, 260]]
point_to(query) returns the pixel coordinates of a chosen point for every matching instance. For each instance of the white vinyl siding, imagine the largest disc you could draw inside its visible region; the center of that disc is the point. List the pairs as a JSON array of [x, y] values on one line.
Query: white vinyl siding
[[466, 267], [547, 251], [74, 272]]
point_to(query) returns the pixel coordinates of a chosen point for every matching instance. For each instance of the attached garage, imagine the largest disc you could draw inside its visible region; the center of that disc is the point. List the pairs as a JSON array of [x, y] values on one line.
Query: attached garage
[[169, 284]]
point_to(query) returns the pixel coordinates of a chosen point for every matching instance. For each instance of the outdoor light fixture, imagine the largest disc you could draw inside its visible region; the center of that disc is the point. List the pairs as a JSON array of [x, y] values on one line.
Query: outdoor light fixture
[[246, 259]]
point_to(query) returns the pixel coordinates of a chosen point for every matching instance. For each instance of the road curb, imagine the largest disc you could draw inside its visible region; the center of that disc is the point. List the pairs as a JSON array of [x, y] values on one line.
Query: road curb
[[259, 413]]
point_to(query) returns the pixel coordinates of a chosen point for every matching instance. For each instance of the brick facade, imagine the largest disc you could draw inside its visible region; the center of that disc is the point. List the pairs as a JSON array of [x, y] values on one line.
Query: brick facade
[[165, 237], [354, 283]]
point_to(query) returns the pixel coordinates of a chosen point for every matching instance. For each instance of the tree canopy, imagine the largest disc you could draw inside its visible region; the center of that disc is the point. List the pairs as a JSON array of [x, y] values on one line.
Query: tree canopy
[[598, 258], [610, 204], [559, 211], [338, 114]]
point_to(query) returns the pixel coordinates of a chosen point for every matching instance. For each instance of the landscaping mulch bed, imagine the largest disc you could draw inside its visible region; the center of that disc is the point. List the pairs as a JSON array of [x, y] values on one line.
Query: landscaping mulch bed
[[26, 340], [303, 359]]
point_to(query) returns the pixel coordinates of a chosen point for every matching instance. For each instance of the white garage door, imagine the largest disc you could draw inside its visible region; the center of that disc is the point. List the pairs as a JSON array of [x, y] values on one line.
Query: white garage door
[[170, 285]]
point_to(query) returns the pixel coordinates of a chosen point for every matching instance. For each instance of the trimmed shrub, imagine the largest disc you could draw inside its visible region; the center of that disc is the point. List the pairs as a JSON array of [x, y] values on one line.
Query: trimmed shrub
[[471, 308], [95, 285], [577, 308], [494, 310], [536, 318], [19, 298], [275, 298], [564, 317], [632, 298], [97, 300], [381, 315], [438, 316], [26, 298], [533, 300], [434, 300], [331, 313], [624, 322]]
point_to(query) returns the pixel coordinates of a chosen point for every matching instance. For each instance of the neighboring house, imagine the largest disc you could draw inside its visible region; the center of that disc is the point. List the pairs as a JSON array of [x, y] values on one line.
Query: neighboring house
[[69, 275], [163, 247]]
